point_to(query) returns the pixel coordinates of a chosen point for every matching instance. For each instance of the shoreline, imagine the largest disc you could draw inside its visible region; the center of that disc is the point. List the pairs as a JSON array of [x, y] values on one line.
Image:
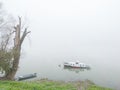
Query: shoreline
[[46, 84]]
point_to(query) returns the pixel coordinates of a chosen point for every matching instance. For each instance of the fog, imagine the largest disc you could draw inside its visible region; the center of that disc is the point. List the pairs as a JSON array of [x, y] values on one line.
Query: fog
[[68, 27], [87, 30]]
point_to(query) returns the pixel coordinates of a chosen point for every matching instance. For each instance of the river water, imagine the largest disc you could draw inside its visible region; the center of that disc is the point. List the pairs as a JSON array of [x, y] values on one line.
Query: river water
[[104, 63]]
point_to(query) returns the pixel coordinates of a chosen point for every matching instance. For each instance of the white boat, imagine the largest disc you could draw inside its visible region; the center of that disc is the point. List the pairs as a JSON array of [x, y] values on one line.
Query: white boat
[[76, 64]]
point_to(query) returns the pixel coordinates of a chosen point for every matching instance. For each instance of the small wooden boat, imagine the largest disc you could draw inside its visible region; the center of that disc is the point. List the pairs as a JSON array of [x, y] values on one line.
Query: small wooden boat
[[24, 77]]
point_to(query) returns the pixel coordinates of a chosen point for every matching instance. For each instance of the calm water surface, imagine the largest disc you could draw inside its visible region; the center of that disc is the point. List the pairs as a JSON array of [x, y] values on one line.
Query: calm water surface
[[104, 63]]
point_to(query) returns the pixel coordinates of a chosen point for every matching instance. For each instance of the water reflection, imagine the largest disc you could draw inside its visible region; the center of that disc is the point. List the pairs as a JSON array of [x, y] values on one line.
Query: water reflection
[[76, 70]]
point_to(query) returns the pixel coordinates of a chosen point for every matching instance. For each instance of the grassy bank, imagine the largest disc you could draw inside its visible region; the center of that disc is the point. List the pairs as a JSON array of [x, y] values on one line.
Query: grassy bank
[[49, 85]]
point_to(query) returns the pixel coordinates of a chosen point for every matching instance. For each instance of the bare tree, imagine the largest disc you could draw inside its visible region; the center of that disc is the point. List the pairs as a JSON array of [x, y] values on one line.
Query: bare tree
[[11, 55]]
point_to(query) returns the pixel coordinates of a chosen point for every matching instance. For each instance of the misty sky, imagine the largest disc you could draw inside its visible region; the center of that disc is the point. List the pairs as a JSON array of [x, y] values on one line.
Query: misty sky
[[70, 30], [69, 27]]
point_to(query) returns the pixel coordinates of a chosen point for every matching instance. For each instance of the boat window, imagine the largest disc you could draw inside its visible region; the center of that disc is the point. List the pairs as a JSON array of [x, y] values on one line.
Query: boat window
[[76, 62], [65, 63]]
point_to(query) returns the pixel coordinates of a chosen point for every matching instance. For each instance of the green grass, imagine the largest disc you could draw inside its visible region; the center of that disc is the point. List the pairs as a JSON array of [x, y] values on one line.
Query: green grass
[[46, 85], [94, 87]]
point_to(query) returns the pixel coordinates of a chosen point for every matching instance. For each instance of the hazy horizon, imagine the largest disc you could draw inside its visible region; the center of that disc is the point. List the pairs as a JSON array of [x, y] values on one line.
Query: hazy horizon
[[62, 30]]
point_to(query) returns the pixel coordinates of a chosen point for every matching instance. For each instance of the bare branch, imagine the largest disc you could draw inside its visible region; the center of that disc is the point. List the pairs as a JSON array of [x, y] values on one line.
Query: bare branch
[[24, 35]]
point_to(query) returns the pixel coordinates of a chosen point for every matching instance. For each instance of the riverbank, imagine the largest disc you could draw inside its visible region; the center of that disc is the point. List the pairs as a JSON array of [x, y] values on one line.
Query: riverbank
[[45, 84]]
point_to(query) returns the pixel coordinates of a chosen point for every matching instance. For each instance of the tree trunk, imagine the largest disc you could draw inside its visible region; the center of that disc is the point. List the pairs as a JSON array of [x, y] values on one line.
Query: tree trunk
[[10, 75]]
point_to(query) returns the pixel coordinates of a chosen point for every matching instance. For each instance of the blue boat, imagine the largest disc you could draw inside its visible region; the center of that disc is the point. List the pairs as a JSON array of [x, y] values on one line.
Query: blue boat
[[28, 76]]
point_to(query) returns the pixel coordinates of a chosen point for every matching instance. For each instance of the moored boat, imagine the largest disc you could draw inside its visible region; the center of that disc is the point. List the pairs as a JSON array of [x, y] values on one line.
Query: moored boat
[[28, 76], [76, 64]]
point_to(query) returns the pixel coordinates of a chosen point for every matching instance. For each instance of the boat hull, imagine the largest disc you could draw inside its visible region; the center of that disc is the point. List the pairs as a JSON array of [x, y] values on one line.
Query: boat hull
[[24, 77], [75, 66]]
